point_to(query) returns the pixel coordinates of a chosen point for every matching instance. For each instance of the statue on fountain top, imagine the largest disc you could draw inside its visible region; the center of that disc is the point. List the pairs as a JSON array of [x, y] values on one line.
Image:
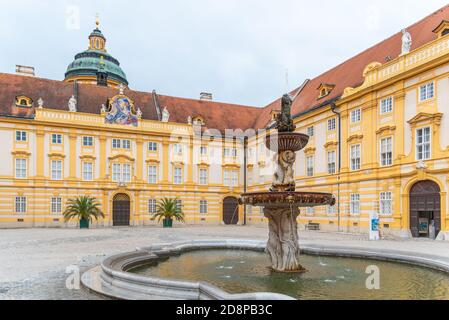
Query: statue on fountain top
[[284, 121]]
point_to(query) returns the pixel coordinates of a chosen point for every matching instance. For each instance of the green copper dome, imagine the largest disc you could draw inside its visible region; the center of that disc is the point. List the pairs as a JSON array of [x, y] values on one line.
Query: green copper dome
[[96, 60]]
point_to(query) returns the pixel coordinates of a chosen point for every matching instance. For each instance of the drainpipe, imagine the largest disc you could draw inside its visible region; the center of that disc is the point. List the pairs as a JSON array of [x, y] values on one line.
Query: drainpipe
[[245, 173], [334, 110]]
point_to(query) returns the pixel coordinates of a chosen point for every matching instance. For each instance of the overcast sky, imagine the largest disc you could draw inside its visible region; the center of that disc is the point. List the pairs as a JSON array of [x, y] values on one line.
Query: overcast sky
[[237, 49]]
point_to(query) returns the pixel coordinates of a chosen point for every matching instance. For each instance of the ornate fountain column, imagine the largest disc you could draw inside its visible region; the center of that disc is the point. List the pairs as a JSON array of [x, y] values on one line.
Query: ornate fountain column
[[281, 205]]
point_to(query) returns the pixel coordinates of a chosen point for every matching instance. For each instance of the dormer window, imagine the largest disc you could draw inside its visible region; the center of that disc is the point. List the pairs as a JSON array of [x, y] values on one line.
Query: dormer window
[[325, 89], [442, 29], [24, 102], [199, 121]]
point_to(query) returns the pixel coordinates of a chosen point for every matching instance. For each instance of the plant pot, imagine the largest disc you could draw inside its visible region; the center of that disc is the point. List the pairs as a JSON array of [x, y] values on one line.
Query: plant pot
[[84, 224], [167, 223]]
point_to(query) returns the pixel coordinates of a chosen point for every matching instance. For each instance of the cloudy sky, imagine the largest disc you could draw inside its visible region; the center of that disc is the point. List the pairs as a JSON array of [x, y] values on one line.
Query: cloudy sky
[[240, 50]]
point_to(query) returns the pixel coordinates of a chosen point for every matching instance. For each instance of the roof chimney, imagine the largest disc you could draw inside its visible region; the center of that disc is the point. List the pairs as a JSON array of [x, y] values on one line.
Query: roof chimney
[[205, 96], [25, 71]]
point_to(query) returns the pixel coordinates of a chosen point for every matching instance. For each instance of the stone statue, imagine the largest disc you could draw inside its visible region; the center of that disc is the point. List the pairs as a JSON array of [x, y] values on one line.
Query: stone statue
[[189, 120], [40, 103], [284, 176], [103, 108], [139, 113], [284, 121], [406, 41], [121, 88], [165, 115], [72, 104]]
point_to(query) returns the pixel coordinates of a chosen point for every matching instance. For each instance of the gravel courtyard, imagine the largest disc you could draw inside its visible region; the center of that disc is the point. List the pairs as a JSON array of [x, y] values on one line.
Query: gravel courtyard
[[33, 262]]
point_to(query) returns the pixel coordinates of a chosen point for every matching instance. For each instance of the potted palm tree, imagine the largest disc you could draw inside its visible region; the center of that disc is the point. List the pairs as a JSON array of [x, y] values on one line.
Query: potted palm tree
[[85, 209], [168, 209]]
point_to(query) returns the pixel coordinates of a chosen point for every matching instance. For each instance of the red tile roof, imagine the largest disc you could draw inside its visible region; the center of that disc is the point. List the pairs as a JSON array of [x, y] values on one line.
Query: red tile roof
[[350, 72]]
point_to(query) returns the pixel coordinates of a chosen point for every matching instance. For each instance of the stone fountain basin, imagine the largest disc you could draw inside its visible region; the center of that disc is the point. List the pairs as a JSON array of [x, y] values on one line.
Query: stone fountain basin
[[284, 141], [113, 278], [287, 199]]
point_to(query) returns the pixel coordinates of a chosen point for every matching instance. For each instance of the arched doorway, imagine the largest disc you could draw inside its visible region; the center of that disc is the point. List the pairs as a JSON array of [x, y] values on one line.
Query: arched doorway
[[425, 208], [230, 211], [121, 210]]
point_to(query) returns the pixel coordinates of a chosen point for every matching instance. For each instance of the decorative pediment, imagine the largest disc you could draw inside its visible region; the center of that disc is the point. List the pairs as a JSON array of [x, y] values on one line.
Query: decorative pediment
[[330, 144], [355, 137], [310, 150], [152, 161], [231, 166], [386, 129], [22, 153], [434, 118], [261, 164], [88, 157], [121, 156], [203, 165], [56, 155], [371, 67]]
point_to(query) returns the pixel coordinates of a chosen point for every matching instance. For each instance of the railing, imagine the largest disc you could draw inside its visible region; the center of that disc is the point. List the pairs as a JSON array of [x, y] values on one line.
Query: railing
[[59, 116]]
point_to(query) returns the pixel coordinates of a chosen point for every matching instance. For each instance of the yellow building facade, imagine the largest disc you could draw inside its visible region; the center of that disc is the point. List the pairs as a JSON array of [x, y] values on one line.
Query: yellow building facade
[[380, 145]]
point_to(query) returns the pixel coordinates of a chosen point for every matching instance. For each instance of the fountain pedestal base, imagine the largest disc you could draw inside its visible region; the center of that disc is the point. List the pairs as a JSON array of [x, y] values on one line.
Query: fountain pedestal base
[[283, 246]]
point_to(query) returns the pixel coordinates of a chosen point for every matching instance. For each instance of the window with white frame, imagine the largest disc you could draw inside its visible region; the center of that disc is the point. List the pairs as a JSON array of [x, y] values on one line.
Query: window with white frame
[[231, 178], [21, 168], [56, 138], [203, 176], [309, 165], [56, 205], [116, 172], [126, 172], [331, 124], [386, 203], [88, 141], [331, 162], [423, 146], [56, 169], [203, 206], [230, 152], [126, 144], [203, 150], [310, 131], [354, 207], [178, 203], [121, 172], [386, 151], [177, 149], [88, 171], [152, 146], [21, 136], [356, 115], [356, 157], [116, 143], [310, 210], [386, 105], [426, 91], [21, 204], [331, 210], [152, 174], [152, 205], [177, 177]]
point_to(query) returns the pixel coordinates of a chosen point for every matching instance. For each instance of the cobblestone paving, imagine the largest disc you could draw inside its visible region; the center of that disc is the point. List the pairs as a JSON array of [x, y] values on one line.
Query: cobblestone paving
[[33, 261]]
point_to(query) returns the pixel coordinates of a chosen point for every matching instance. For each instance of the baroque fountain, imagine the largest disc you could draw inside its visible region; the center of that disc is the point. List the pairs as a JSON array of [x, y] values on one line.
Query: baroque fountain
[[235, 269], [281, 204]]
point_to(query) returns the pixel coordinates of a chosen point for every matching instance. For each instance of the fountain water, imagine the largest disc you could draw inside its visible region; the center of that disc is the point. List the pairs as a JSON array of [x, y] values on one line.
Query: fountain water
[[281, 204]]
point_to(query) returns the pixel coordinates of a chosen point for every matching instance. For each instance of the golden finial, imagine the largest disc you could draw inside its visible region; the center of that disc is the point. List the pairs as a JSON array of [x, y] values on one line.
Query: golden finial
[[97, 20]]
